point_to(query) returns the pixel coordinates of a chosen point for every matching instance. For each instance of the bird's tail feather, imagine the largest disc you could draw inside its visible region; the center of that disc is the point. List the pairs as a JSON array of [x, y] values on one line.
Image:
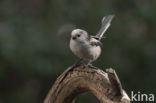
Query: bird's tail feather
[[106, 22]]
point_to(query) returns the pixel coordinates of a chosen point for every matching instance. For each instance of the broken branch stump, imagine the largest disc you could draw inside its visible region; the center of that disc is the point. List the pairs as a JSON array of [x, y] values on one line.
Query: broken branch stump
[[78, 79]]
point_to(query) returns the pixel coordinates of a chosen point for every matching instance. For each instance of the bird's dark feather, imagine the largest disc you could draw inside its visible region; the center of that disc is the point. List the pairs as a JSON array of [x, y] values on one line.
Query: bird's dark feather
[[96, 43]]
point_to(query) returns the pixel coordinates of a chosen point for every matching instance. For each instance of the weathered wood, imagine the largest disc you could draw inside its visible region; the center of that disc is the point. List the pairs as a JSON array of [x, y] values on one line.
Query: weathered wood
[[78, 79]]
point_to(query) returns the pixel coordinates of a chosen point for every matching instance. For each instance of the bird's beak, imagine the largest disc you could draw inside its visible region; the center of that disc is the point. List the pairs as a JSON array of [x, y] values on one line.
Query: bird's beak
[[73, 38]]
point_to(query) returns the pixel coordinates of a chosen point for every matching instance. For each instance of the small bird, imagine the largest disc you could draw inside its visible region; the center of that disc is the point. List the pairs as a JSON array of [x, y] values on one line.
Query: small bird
[[86, 46]]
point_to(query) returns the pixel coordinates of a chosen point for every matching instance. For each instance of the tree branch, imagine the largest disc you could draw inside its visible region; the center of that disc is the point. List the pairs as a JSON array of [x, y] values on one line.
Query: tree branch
[[78, 79]]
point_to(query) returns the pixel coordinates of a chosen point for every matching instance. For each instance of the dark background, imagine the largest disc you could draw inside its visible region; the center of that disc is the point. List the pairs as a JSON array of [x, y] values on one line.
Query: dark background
[[34, 50]]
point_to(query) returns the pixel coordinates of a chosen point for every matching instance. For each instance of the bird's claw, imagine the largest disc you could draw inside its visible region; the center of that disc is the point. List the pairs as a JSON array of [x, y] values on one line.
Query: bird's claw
[[78, 63]]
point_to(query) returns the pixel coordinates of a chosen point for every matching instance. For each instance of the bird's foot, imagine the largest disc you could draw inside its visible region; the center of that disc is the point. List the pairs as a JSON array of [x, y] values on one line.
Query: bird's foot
[[91, 66], [78, 63]]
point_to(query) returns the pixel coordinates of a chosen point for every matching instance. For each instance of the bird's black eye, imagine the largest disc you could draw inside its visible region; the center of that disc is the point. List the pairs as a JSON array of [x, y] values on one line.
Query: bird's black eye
[[78, 35]]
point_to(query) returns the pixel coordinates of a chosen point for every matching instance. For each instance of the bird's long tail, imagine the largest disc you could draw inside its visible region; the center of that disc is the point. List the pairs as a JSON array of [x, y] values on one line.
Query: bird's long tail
[[106, 22]]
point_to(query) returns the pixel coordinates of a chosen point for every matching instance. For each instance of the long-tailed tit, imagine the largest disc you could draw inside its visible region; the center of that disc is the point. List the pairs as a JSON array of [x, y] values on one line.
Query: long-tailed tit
[[86, 46]]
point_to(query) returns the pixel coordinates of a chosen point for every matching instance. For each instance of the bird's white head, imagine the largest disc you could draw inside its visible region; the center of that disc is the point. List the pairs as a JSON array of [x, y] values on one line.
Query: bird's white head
[[79, 35]]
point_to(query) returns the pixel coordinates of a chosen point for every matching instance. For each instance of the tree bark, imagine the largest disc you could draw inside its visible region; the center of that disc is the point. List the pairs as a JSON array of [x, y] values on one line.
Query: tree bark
[[78, 79]]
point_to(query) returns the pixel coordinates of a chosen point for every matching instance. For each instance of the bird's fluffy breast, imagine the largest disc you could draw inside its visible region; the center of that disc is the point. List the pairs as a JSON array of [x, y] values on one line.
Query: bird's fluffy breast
[[85, 50]]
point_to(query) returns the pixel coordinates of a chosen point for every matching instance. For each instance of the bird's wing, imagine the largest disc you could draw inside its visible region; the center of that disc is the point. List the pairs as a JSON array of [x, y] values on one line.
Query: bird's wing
[[106, 22], [94, 42]]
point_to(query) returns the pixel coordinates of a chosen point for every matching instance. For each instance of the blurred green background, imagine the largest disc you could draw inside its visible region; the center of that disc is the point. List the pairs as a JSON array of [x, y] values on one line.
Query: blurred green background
[[34, 49]]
